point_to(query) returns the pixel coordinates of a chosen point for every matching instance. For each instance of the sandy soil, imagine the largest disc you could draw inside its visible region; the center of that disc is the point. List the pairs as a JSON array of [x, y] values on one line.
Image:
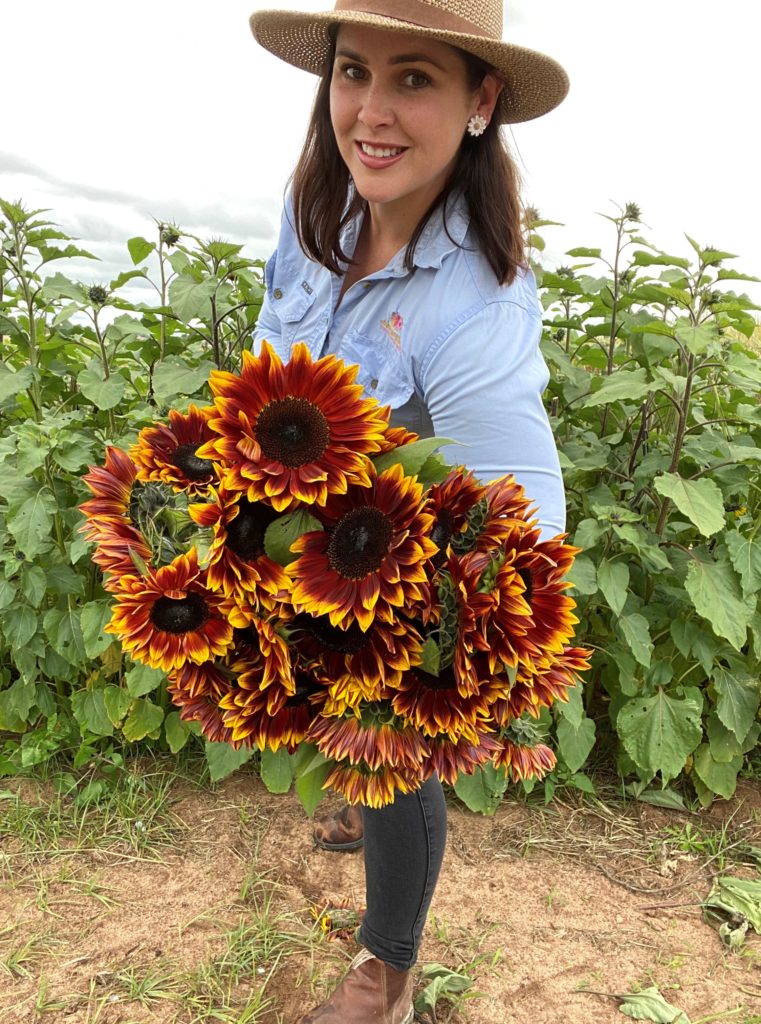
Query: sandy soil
[[547, 908]]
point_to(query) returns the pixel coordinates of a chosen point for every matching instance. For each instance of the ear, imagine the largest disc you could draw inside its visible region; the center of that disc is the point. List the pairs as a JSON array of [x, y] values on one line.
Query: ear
[[488, 94]]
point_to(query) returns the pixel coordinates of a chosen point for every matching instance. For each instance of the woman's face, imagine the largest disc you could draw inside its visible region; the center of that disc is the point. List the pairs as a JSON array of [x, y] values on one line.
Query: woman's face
[[399, 107]]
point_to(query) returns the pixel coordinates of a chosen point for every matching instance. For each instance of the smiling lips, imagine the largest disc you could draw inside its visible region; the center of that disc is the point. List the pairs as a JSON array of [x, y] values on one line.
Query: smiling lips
[[379, 156]]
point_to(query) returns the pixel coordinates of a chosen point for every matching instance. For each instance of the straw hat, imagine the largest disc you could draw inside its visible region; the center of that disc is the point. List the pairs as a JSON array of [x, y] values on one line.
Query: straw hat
[[534, 82]]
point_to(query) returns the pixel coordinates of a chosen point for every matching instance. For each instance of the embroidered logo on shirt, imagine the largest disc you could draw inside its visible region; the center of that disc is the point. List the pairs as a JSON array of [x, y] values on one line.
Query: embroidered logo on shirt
[[393, 328]]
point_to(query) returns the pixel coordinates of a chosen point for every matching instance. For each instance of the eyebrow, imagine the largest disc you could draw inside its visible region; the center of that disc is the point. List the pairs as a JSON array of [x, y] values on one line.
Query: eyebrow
[[401, 58]]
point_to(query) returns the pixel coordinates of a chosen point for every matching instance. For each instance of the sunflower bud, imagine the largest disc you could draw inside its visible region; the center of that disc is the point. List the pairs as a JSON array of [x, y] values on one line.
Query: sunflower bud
[[632, 212], [97, 295], [169, 235], [531, 215]]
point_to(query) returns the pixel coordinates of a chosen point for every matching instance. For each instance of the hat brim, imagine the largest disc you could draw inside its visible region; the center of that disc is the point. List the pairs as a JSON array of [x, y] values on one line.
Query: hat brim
[[534, 82]]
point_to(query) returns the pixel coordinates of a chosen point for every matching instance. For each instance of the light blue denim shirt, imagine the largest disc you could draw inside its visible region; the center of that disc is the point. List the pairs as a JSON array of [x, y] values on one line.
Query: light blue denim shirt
[[448, 348]]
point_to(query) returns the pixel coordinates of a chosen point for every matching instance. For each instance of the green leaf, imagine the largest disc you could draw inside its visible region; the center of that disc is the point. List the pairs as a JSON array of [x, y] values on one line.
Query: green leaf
[[584, 252], [739, 896], [19, 698], [575, 743], [223, 760], [191, 299], [659, 733], [431, 657], [725, 746], [143, 679], [613, 580], [276, 770], [14, 383], [720, 777], [176, 731], [573, 708], [583, 575], [433, 470], [64, 630], [311, 773], [144, 718], [140, 248], [33, 584], [117, 702], [636, 632], [697, 339], [411, 457], [439, 983], [738, 700], [19, 624], [715, 592], [745, 553], [283, 532], [649, 1004], [623, 385], [7, 593], [32, 523], [700, 500], [89, 709], [483, 790], [104, 392], [173, 377], [94, 617]]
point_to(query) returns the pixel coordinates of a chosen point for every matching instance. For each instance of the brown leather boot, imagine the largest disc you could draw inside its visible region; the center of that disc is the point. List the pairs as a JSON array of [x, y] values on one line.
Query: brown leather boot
[[371, 993], [340, 832]]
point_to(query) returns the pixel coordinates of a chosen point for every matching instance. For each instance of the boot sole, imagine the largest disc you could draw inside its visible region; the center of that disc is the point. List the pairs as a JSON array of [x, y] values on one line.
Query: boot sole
[[410, 1018], [357, 844]]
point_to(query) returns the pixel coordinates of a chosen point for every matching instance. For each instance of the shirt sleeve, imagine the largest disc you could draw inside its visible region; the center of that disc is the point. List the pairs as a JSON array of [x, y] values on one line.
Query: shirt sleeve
[[268, 326], [483, 387]]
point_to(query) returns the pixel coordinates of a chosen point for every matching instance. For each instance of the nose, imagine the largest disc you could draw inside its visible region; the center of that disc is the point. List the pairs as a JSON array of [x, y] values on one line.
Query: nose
[[376, 110]]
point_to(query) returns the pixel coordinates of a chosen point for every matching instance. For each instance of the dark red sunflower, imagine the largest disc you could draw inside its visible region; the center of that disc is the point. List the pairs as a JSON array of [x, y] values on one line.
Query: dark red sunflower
[[450, 758], [507, 507], [116, 543], [370, 561], [169, 617], [238, 563], [396, 437], [360, 785], [368, 659], [455, 504], [294, 432], [167, 453], [524, 762], [263, 656], [272, 718], [197, 690], [534, 690], [112, 486], [377, 739], [436, 706]]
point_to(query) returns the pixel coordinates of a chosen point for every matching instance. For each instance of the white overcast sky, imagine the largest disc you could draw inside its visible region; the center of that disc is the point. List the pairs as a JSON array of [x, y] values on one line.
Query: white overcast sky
[[117, 113]]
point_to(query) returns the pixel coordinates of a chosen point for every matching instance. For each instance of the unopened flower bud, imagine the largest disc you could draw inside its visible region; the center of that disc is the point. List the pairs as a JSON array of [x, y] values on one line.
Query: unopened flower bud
[[97, 295]]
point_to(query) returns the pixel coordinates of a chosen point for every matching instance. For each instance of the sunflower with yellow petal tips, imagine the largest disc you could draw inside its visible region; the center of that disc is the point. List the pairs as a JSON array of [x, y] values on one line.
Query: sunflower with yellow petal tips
[[450, 758], [117, 545], [524, 762], [272, 718], [371, 558], [197, 690], [112, 487], [238, 565], [360, 785], [293, 433], [377, 739], [435, 705], [166, 453], [169, 617]]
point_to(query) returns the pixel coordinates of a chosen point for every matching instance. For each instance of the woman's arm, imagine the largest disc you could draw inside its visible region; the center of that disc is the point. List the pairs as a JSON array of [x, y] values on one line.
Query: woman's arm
[[483, 387]]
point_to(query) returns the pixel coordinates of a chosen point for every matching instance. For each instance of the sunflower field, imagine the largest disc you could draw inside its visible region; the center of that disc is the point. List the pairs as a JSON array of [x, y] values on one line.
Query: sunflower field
[[655, 401]]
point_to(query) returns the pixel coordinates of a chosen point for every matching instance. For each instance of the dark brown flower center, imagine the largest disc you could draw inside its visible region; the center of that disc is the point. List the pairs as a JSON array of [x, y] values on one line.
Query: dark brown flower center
[[525, 575], [360, 542], [293, 431], [245, 533], [445, 680], [342, 641], [180, 616], [442, 530], [186, 460], [305, 686]]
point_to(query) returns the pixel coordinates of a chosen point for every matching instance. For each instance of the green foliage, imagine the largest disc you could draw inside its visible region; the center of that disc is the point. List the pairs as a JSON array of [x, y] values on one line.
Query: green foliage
[[654, 400]]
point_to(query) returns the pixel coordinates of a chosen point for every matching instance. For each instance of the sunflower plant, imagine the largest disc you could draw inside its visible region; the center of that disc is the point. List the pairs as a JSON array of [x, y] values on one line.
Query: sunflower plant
[[319, 585]]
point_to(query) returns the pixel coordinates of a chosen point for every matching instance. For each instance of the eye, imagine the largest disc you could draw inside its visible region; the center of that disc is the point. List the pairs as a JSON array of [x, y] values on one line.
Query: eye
[[353, 72], [416, 80]]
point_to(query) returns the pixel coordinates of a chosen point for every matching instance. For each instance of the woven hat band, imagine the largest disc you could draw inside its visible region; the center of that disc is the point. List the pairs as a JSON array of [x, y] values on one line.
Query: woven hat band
[[423, 14]]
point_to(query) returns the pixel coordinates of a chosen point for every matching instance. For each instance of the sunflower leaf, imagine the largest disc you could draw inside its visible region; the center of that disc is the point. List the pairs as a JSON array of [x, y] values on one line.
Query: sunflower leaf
[[650, 1005], [276, 770], [223, 760], [411, 457], [310, 782], [280, 535]]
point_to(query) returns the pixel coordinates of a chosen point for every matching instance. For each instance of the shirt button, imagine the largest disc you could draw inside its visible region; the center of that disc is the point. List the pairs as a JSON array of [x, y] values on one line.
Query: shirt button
[[278, 294], [374, 383]]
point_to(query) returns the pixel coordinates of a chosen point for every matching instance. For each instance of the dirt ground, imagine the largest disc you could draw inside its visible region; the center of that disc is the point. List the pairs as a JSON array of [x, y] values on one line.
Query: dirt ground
[[544, 908]]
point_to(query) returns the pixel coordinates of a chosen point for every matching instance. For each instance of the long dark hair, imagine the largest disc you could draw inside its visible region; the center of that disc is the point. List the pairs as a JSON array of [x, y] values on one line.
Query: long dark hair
[[485, 173]]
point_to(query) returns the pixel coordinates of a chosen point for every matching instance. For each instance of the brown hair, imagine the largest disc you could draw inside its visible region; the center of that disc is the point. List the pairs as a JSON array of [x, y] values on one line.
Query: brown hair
[[485, 173]]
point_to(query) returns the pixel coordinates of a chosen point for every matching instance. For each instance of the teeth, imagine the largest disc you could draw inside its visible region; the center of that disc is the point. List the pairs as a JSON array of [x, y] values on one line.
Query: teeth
[[376, 151]]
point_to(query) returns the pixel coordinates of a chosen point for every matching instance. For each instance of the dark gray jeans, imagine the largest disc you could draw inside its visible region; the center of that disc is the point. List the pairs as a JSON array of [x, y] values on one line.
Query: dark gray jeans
[[404, 847]]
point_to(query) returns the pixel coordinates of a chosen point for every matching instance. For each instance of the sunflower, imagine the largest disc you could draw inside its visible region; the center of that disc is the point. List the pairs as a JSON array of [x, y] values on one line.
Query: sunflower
[[370, 560], [506, 506], [167, 453], [396, 437], [112, 486], [376, 740], [263, 656], [293, 433], [453, 616], [450, 758], [435, 704], [361, 785], [454, 504], [534, 690], [369, 658], [274, 717], [116, 544], [524, 762], [197, 690], [169, 616], [238, 563]]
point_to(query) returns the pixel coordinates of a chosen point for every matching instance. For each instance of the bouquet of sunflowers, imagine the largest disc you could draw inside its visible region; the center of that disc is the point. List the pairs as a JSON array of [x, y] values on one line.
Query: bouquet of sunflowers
[[302, 571]]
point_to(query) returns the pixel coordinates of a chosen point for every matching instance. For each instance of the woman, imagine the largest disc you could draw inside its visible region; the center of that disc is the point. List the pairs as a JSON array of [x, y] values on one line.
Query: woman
[[401, 251]]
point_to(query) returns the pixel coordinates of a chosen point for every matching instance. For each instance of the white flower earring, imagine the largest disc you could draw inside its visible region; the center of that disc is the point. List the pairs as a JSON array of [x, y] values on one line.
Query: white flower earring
[[477, 125]]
